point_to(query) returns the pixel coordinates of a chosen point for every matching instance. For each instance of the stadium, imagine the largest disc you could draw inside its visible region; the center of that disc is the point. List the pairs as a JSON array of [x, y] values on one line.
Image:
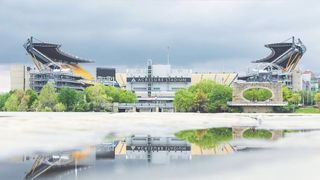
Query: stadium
[[54, 65], [64, 70], [279, 65]]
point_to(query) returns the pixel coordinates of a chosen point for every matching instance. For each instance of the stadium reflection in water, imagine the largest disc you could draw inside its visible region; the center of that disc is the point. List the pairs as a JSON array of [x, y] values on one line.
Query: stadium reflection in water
[[116, 155]]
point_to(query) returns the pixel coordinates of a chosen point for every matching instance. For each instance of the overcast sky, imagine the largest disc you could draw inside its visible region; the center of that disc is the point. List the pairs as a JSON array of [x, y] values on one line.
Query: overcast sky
[[210, 35]]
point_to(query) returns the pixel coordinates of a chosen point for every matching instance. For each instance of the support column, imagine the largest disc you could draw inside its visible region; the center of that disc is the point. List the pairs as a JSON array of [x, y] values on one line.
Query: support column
[[134, 109], [237, 132], [276, 134], [115, 107]]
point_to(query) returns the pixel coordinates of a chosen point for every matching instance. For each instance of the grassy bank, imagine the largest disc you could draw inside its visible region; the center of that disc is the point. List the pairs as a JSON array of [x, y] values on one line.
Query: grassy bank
[[310, 110]]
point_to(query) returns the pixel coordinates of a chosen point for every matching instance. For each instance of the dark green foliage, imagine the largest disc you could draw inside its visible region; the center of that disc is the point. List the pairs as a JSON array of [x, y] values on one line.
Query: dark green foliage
[[206, 96], [257, 94], [69, 98], [286, 93], [290, 108], [127, 97], [97, 98], [293, 99], [20, 100], [100, 97], [183, 101], [48, 98], [13, 102], [206, 138], [257, 134], [286, 132], [200, 100], [120, 95], [235, 109], [3, 98], [33, 96], [94, 98], [81, 105]]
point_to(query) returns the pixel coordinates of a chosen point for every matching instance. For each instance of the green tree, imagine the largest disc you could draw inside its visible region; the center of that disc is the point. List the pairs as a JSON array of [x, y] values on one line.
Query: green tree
[[46, 109], [69, 98], [218, 98], [210, 96], [23, 106], [286, 93], [35, 106], [3, 99], [317, 99], [97, 98], [60, 107], [82, 105], [32, 97], [206, 138], [183, 100], [47, 98], [27, 99], [120, 95], [17, 101], [294, 99], [112, 92], [127, 96], [200, 100], [257, 94], [12, 103], [257, 134]]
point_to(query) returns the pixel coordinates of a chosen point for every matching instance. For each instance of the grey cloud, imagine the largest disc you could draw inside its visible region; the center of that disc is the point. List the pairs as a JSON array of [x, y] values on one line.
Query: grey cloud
[[128, 33]]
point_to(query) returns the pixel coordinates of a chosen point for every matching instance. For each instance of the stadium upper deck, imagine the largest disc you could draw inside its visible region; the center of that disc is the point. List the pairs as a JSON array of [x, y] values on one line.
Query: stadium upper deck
[[53, 52], [49, 56], [284, 55]]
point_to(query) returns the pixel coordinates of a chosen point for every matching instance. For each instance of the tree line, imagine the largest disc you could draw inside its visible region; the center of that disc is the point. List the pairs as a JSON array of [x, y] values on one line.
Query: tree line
[[206, 96], [94, 98]]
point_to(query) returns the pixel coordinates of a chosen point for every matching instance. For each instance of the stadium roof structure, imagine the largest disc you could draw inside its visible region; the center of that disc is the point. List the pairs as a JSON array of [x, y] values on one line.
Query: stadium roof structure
[[285, 55], [48, 53], [49, 56], [53, 52]]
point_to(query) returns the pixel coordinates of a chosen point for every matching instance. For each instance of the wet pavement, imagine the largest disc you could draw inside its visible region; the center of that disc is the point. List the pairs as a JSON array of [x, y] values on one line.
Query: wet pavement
[[186, 154], [241, 146]]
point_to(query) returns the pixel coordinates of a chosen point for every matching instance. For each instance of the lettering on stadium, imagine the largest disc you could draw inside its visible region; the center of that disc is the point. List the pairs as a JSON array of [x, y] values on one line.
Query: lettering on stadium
[[158, 79], [158, 148]]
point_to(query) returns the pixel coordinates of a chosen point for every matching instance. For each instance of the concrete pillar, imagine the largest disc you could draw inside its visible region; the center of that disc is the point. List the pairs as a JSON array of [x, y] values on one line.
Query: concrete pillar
[[115, 107], [237, 132], [134, 109], [157, 109], [276, 134]]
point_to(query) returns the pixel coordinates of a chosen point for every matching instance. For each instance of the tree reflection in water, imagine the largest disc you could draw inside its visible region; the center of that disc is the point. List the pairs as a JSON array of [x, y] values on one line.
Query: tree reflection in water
[[206, 138], [257, 134]]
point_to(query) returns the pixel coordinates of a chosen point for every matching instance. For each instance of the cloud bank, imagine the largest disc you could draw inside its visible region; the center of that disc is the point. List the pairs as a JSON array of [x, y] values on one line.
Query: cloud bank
[[221, 33]]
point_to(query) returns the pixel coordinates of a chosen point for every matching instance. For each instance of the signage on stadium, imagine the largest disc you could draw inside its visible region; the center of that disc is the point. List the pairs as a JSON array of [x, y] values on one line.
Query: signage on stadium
[[158, 148], [158, 79]]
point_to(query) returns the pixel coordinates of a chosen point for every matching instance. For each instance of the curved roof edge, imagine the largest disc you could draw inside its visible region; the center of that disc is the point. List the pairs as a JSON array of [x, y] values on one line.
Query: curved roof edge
[[53, 52]]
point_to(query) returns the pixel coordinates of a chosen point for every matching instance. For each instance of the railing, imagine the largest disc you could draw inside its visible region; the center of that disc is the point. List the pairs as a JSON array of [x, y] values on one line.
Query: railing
[[256, 104], [145, 105]]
